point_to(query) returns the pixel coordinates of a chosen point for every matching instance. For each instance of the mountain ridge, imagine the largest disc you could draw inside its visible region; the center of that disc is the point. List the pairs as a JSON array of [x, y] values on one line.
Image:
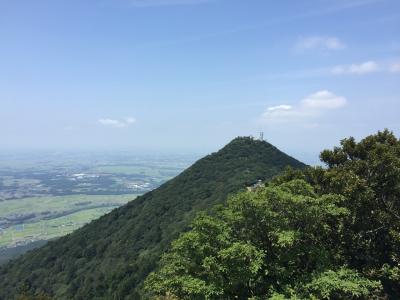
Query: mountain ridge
[[110, 257]]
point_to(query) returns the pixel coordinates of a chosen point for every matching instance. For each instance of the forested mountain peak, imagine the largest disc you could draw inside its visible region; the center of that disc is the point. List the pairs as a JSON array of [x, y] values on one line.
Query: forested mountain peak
[[317, 233], [110, 257]]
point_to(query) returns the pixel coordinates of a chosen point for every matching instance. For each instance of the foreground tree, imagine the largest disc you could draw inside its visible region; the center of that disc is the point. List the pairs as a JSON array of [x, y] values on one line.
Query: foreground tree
[[279, 241], [367, 174], [323, 233]]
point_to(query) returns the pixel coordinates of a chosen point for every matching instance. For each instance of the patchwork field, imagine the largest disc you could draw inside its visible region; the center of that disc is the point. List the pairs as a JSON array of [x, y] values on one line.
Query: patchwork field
[[47, 195], [43, 218]]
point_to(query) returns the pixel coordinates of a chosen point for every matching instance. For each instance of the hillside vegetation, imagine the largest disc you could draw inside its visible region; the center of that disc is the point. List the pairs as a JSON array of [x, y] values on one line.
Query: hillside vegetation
[[110, 257], [321, 233]]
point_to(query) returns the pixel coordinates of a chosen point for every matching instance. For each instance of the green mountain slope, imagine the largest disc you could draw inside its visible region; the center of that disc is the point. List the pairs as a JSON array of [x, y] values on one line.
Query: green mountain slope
[[110, 257]]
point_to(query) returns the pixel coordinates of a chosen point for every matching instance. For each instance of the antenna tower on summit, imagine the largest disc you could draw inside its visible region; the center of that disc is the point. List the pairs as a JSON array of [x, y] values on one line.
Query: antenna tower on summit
[[261, 136]]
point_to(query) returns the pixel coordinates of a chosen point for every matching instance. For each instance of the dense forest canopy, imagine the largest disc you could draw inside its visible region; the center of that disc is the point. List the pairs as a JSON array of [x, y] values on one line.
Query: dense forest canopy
[[321, 233], [110, 257], [330, 232]]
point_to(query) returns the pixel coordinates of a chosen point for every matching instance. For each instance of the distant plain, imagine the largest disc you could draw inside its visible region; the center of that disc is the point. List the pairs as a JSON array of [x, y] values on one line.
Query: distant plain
[[48, 195]]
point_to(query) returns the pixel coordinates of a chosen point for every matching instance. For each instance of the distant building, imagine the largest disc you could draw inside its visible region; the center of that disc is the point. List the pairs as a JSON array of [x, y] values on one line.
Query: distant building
[[261, 136], [255, 186]]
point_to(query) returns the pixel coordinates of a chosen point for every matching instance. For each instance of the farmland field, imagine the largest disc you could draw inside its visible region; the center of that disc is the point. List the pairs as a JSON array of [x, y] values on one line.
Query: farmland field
[[50, 217], [47, 195]]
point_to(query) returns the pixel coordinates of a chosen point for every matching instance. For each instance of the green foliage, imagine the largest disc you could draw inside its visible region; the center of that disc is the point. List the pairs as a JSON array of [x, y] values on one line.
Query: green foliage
[[368, 175], [318, 233], [341, 284], [207, 250], [321, 233], [263, 241], [110, 257]]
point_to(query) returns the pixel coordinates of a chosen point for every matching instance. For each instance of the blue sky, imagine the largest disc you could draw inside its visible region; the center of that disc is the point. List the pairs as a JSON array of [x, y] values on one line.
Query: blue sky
[[189, 75]]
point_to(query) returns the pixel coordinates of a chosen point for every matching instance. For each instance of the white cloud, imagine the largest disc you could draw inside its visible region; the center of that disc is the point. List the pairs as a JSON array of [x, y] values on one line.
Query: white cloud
[[310, 107], [112, 123], [395, 68], [278, 114], [280, 107], [320, 42], [323, 100], [359, 69], [117, 123], [130, 120]]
